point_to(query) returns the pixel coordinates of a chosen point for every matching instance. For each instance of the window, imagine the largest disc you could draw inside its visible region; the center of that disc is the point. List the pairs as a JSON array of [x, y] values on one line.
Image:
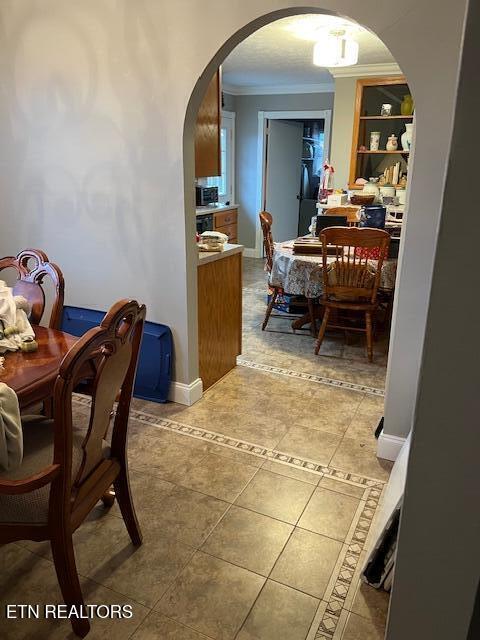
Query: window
[[225, 182]]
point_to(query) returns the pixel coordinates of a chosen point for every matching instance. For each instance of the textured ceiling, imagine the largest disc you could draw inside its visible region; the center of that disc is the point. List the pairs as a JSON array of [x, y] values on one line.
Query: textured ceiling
[[281, 53]]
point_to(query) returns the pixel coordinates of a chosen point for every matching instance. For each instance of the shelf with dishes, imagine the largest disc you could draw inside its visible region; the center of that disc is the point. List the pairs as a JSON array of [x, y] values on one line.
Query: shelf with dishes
[[359, 187], [401, 151], [382, 131], [386, 117]]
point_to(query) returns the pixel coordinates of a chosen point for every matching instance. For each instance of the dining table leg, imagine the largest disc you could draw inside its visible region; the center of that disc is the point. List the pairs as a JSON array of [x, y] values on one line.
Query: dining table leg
[[313, 311]]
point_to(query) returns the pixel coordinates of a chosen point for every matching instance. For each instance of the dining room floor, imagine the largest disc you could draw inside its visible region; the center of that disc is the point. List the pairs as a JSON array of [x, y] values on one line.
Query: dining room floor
[[255, 505], [342, 357]]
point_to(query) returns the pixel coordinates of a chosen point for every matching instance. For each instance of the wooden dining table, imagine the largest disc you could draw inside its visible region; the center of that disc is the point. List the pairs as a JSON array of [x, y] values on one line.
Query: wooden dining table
[[301, 275], [32, 374]]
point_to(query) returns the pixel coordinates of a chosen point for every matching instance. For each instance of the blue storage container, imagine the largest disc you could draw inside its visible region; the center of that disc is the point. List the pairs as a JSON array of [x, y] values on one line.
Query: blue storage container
[[155, 363], [285, 302], [373, 216]]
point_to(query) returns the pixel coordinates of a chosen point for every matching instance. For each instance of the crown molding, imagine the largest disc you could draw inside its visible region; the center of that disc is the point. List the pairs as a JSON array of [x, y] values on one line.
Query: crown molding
[[355, 71], [366, 70], [281, 89]]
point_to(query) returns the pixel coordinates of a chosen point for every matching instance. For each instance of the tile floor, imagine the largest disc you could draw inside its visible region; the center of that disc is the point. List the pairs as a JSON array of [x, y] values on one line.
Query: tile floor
[[255, 504], [337, 359]]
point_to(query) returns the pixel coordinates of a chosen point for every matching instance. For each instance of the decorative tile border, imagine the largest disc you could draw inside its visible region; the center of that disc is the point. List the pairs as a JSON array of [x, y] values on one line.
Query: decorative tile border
[[337, 601], [256, 450], [312, 377], [338, 598]]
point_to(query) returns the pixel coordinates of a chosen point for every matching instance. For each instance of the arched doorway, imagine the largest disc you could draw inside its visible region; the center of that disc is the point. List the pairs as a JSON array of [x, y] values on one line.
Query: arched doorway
[[430, 88], [391, 448]]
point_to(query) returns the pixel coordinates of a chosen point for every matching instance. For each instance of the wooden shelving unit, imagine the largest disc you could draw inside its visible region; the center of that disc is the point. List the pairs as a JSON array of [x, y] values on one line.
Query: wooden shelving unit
[[371, 94], [386, 117], [386, 153]]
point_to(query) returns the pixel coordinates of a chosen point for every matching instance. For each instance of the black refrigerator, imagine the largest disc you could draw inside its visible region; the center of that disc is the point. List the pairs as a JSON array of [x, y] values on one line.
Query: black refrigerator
[[312, 168]]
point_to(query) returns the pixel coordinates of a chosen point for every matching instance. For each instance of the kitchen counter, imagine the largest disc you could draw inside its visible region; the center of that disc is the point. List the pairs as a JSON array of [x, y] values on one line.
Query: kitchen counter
[[219, 276], [213, 208], [212, 256]]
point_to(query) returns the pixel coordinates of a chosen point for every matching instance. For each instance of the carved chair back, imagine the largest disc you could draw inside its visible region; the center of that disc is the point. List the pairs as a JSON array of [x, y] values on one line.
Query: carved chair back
[[355, 270], [30, 280], [350, 212], [106, 358], [266, 221]]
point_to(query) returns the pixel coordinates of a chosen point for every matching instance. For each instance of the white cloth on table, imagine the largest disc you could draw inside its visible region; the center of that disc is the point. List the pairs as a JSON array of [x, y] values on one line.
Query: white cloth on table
[[293, 272], [13, 313], [11, 435]]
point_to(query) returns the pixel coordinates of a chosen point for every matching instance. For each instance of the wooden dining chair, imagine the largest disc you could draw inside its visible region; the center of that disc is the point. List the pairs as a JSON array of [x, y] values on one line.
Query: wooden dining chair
[[352, 261], [67, 468], [266, 221], [352, 214], [30, 280]]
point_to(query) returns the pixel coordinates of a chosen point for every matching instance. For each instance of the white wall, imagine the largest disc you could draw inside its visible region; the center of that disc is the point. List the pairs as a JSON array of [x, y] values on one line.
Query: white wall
[[342, 129], [229, 101], [246, 126], [91, 166]]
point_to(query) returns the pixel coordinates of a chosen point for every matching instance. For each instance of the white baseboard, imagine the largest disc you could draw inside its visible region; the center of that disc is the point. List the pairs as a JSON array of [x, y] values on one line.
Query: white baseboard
[[251, 253], [388, 447], [186, 394]]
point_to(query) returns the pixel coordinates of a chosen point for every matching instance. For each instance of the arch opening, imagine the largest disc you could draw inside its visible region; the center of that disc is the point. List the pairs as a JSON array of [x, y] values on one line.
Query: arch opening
[[198, 92]]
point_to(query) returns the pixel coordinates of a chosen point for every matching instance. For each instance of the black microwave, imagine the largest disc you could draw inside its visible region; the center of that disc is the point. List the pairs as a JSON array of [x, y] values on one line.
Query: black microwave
[[206, 195]]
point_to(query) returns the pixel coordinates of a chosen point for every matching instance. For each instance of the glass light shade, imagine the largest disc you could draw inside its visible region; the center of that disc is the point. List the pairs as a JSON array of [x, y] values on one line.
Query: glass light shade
[[335, 50]]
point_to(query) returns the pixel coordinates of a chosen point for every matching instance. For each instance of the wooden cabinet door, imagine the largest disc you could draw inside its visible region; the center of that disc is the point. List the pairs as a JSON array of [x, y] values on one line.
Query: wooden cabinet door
[[225, 218], [219, 317], [207, 132]]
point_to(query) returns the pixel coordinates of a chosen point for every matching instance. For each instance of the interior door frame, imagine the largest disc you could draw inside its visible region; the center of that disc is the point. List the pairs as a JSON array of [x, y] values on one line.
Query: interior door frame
[[230, 117], [263, 116]]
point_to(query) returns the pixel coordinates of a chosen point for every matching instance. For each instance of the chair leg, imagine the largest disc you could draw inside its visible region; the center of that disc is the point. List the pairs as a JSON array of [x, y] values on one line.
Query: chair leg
[[273, 299], [389, 312], [66, 569], [368, 322], [311, 311], [108, 498], [322, 330], [125, 502]]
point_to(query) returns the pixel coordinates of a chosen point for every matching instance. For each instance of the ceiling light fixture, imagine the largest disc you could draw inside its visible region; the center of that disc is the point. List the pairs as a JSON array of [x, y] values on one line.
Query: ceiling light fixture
[[335, 49]]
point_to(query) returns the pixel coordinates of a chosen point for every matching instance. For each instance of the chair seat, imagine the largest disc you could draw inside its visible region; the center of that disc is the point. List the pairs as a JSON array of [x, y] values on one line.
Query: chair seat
[[354, 305], [38, 439]]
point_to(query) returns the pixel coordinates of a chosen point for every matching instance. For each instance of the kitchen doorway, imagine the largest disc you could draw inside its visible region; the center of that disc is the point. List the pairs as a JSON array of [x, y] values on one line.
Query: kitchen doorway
[[291, 151]]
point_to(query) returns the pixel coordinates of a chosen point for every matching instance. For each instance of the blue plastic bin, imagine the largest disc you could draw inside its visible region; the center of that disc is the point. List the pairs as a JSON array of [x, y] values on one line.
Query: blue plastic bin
[[155, 363]]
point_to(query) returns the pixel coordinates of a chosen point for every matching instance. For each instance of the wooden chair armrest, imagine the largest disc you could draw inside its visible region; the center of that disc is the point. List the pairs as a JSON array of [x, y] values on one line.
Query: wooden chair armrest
[[31, 483]]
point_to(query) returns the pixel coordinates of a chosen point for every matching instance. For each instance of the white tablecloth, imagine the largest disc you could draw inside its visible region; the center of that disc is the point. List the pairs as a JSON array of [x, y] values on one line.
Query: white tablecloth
[[293, 272]]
